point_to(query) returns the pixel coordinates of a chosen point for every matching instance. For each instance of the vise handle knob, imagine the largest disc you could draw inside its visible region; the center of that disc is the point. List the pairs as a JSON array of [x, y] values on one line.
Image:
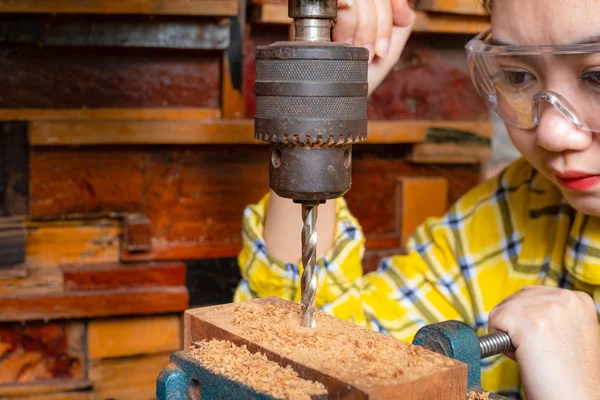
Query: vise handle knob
[[495, 343]]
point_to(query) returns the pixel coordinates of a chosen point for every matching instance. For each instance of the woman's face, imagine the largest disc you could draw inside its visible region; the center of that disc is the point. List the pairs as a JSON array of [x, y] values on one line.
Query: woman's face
[[557, 148]]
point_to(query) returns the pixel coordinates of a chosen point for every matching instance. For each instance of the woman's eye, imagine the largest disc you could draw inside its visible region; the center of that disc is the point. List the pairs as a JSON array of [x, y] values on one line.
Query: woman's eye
[[517, 78], [592, 77]]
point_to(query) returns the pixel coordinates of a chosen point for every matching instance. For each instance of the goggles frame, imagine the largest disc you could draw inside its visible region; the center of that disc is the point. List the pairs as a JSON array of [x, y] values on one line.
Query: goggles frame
[[478, 46]]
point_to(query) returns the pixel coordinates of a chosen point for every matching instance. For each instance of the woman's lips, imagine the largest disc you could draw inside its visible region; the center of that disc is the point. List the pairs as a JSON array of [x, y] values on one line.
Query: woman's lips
[[576, 180]]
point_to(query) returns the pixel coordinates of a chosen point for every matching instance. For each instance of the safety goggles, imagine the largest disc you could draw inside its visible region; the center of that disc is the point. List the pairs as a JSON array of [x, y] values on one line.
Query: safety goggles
[[520, 82]]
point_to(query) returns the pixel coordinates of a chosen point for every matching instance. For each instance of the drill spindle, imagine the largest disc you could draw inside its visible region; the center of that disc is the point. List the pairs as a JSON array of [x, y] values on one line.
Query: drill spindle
[[308, 285]]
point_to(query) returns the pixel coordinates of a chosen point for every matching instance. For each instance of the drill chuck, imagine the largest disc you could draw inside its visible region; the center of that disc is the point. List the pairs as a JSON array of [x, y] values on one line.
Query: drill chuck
[[311, 106]]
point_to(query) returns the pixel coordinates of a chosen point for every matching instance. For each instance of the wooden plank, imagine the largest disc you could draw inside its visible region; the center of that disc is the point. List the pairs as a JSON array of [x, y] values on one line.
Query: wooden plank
[[450, 153], [101, 132], [469, 7], [47, 279], [333, 352], [50, 387], [120, 114], [131, 378], [44, 305], [65, 181], [137, 31], [137, 233], [58, 133], [53, 77], [120, 337], [418, 198], [171, 7], [52, 243], [449, 23], [39, 351], [87, 395], [114, 275], [270, 13]]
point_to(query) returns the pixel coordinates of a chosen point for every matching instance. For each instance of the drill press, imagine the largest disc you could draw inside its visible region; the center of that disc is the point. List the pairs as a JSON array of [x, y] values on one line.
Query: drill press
[[311, 106]]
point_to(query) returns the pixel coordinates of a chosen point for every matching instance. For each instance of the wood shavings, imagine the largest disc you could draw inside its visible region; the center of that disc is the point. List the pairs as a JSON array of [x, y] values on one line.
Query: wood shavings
[[357, 355], [478, 396], [255, 370]]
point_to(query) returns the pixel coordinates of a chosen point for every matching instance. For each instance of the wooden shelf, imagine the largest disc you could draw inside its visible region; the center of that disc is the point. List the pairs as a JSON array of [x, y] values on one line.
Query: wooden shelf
[[425, 22], [113, 132], [107, 114], [171, 7]]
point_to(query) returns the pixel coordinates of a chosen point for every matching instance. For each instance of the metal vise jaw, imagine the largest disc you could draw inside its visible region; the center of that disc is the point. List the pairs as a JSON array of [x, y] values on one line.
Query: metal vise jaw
[[459, 341]]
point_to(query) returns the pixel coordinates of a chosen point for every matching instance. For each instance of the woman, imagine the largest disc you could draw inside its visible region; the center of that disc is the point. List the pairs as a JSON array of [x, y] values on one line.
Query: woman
[[519, 253]]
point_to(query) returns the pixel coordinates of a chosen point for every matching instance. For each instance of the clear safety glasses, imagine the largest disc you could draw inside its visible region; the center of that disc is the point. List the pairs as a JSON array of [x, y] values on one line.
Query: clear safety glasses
[[520, 82]]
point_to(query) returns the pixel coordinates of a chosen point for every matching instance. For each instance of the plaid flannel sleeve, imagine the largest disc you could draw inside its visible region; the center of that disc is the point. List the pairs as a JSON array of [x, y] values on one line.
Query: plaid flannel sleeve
[[339, 272], [456, 267]]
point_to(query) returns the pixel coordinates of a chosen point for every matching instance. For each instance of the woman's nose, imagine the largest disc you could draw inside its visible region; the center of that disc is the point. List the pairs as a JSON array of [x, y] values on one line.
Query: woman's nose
[[556, 133]]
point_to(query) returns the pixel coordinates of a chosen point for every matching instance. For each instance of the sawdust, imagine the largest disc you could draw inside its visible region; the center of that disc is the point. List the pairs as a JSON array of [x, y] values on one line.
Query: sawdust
[[356, 355], [478, 396], [255, 370]]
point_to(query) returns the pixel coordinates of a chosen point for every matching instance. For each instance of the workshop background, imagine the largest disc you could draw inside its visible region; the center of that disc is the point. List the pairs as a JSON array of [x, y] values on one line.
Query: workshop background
[[127, 157]]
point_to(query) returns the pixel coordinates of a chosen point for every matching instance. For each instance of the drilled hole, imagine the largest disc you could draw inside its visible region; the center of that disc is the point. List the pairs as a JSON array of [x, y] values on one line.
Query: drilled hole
[[276, 158], [194, 391], [346, 159]]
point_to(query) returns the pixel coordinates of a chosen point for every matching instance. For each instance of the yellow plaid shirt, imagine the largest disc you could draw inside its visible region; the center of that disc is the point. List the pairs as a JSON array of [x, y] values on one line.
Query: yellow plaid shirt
[[509, 232]]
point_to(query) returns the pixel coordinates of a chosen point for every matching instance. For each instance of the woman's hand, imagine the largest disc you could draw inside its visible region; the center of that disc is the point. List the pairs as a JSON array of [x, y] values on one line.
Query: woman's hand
[[381, 26], [557, 340]]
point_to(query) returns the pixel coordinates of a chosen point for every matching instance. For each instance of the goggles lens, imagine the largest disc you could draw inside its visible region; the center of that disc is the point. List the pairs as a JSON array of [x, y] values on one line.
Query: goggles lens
[[521, 85]]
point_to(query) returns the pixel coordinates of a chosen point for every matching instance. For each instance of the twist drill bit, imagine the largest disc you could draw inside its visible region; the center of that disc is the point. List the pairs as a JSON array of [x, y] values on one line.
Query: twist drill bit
[[311, 107], [308, 285]]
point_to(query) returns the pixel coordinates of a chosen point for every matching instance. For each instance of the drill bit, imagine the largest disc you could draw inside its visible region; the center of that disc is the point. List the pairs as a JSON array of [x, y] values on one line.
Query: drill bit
[[308, 285]]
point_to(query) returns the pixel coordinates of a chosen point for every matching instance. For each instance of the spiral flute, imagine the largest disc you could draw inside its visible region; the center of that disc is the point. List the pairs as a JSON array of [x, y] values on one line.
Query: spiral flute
[[308, 285]]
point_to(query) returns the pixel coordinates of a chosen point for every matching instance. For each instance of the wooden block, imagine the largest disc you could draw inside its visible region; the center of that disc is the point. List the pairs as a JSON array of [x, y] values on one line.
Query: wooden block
[[450, 153], [470, 7], [137, 233], [450, 23], [131, 378], [48, 279], [55, 242], [374, 179], [44, 305], [114, 275], [418, 198], [174, 7], [120, 337], [65, 181], [106, 114], [40, 351], [12, 244], [351, 361], [65, 77]]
